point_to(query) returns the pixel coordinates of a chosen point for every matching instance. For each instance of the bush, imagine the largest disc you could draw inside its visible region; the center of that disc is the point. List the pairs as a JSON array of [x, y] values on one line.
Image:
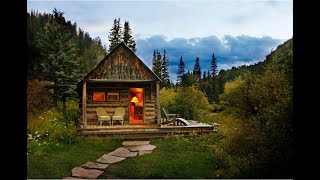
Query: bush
[[264, 138], [37, 96], [49, 129], [189, 102], [70, 113]]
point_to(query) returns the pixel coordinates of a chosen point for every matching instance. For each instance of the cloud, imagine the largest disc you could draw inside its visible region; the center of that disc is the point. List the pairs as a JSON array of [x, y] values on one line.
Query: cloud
[[229, 50]]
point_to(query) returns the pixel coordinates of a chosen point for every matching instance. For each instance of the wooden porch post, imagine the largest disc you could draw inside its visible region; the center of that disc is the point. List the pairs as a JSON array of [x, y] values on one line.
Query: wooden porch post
[[158, 103], [84, 104]]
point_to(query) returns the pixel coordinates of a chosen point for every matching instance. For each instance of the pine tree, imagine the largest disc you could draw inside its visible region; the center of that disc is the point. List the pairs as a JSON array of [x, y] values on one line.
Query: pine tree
[[58, 55], [164, 70], [208, 74], [213, 96], [214, 66], [127, 37], [156, 63], [181, 71], [204, 75], [196, 70], [115, 36]]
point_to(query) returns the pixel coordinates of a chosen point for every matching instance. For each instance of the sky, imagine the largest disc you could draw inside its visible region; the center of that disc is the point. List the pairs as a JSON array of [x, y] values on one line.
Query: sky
[[237, 32]]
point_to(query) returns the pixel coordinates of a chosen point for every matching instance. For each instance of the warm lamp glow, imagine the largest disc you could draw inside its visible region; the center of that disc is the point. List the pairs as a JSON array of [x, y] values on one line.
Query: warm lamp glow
[[134, 99]]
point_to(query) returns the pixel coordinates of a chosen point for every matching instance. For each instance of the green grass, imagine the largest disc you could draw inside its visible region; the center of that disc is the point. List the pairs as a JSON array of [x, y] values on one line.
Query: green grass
[[58, 161], [174, 157]]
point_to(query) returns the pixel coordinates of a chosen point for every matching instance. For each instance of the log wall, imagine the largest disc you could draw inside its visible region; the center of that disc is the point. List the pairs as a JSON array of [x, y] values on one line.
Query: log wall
[[150, 111]]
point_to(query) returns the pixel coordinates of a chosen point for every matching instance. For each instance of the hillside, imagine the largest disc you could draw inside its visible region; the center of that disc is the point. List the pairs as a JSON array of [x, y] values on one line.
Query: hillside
[[282, 57]]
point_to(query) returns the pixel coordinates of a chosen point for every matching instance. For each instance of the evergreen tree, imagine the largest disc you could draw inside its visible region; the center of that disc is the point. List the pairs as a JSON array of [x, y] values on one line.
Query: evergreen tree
[[208, 74], [181, 71], [164, 70], [127, 37], [188, 79], [58, 55], [204, 75], [214, 66], [213, 94], [196, 70], [156, 63], [115, 36]]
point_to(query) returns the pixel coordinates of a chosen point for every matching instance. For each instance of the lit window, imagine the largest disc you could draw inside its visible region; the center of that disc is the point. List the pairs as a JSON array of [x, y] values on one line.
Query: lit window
[[99, 96]]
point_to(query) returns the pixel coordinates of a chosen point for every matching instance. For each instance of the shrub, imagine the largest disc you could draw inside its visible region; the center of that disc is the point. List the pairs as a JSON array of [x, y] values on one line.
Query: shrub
[[264, 139], [37, 96], [189, 102], [48, 130]]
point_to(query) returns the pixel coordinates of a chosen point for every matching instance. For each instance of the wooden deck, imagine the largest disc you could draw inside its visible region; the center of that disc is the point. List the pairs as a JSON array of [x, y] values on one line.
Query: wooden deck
[[144, 131]]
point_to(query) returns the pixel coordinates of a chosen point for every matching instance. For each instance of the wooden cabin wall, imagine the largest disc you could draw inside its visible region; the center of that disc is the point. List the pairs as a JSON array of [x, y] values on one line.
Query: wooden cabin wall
[[150, 116], [150, 105]]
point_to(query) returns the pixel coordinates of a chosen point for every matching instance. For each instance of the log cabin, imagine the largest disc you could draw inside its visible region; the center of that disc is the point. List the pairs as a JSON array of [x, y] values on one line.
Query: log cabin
[[121, 79]]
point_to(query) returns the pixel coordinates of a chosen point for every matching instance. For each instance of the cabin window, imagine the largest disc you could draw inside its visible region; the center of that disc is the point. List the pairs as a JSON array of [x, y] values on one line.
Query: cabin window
[[113, 97], [99, 96]]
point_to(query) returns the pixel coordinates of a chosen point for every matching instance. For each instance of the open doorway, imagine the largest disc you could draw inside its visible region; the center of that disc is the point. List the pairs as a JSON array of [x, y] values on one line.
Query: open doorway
[[136, 105]]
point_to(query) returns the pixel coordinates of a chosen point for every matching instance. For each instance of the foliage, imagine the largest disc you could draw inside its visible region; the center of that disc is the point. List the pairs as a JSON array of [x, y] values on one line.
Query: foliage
[[188, 80], [181, 71], [58, 64], [115, 36], [264, 141], [90, 51], [156, 63], [214, 65], [37, 96], [52, 128], [189, 102], [197, 70], [165, 70], [160, 66], [127, 37]]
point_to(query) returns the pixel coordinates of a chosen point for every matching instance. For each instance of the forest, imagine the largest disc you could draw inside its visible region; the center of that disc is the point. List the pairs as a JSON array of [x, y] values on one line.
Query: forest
[[253, 104]]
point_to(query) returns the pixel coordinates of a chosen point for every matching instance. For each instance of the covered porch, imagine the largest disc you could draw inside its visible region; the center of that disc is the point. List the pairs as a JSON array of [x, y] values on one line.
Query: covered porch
[[139, 98]]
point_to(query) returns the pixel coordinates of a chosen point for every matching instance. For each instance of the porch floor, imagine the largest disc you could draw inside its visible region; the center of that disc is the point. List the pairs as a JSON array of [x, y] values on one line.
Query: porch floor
[[143, 131]]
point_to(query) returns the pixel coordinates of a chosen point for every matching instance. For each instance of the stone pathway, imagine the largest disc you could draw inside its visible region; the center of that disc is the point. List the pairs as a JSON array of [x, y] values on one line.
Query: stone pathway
[[92, 170]]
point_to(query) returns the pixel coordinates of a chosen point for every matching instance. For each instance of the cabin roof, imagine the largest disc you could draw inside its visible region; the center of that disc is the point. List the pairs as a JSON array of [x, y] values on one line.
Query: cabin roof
[[101, 62]]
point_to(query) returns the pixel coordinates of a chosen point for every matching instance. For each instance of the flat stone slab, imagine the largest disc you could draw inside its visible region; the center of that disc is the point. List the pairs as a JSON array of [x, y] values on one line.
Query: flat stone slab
[[123, 152], [93, 165], [109, 159], [148, 147], [135, 143], [86, 173], [144, 152]]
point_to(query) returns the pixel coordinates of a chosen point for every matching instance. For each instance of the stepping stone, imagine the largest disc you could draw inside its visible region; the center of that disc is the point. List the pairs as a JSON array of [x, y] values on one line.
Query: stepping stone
[[148, 147], [144, 152], [135, 143], [93, 165], [109, 159], [86, 173], [123, 152]]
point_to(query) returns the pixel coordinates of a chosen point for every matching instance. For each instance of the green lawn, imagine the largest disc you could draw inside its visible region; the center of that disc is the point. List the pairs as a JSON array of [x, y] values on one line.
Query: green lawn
[[57, 162], [173, 158]]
